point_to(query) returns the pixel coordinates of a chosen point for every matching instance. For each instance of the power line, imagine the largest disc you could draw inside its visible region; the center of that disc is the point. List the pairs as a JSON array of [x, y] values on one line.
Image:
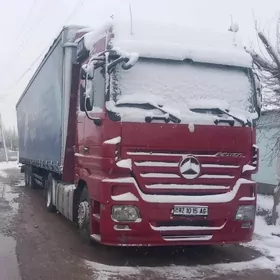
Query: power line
[[9, 88], [31, 32], [19, 50], [23, 74], [27, 18]]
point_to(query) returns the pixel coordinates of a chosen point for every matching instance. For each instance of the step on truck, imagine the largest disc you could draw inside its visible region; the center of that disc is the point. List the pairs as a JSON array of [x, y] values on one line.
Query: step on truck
[[144, 137]]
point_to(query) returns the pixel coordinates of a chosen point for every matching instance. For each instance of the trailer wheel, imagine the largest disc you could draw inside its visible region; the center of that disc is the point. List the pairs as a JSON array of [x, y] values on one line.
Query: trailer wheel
[[48, 194], [83, 217]]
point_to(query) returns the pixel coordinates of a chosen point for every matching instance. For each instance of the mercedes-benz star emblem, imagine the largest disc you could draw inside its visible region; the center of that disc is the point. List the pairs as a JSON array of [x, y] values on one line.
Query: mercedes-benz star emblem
[[190, 167]]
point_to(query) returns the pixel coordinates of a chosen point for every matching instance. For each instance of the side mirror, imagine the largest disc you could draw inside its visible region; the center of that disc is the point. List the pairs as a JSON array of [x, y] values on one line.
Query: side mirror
[[88, 107], [128, 61]]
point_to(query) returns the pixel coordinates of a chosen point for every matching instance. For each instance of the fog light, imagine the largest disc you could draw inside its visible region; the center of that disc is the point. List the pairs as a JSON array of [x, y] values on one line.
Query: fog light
[[121, 227], [246, 225], [125, 213], [245, 213]]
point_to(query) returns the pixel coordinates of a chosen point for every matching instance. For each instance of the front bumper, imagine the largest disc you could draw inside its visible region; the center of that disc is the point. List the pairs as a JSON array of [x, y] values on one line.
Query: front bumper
[[158, 227]]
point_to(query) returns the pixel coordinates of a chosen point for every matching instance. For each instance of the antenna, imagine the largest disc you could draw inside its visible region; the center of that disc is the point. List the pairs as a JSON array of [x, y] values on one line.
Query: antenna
[[131, 19], [234, 27]]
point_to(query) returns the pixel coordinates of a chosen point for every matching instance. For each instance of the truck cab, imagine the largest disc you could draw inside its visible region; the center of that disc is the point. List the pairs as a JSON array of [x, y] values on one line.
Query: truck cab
[[165, 143]]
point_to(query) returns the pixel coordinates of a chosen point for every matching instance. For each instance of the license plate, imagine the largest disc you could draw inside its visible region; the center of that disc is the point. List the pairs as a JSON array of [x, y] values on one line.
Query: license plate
[[190, 210]]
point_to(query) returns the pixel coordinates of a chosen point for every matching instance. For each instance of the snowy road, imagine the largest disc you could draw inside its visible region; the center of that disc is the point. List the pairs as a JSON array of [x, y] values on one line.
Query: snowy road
[[36, 245]]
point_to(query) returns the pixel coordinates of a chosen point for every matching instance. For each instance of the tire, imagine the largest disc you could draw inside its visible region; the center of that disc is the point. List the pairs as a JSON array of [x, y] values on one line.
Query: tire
[[83, 217], [48, 193]]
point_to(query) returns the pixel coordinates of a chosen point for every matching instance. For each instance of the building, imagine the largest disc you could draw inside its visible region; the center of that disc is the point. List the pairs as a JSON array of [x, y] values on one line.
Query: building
[[268, 131]]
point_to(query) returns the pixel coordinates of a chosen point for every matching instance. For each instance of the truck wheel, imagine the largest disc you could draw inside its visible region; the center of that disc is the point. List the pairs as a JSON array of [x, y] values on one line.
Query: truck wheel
[[83, 217], [48, 194]]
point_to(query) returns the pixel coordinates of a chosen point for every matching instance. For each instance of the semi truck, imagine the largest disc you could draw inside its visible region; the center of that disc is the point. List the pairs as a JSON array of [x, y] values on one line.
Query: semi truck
[[144, 137]]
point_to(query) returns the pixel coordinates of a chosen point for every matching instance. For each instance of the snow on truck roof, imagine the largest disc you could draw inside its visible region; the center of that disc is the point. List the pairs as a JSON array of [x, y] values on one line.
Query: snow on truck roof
[[173, 41]]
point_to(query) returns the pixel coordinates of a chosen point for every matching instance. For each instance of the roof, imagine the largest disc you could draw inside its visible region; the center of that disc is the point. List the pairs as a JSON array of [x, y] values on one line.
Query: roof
[[172, 41]]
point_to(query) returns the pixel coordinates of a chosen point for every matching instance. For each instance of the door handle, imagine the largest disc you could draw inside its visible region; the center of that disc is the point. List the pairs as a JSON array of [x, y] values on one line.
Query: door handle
[[85, 150]]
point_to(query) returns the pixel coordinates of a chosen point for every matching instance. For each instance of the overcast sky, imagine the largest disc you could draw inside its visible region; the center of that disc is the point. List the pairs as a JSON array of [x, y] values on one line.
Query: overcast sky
[[29, 26]]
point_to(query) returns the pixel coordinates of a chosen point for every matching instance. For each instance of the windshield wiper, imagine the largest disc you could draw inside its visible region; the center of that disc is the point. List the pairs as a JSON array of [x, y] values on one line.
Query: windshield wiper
[[149, 106], [221, 111]]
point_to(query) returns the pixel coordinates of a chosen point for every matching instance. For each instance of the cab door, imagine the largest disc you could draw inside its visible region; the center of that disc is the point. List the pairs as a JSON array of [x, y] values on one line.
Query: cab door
[[94, 116]]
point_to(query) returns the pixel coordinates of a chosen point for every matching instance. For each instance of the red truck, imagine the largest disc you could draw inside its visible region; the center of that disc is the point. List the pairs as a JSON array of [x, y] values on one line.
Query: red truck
[[143, 141]]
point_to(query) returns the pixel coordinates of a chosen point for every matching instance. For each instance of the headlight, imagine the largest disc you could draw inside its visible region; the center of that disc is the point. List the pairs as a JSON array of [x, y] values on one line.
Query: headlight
[[245, 213], [125, 213]]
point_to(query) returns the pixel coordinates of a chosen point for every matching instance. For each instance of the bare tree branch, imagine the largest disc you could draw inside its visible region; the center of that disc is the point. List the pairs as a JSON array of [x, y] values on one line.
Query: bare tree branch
[[261, 61], [270, 51]]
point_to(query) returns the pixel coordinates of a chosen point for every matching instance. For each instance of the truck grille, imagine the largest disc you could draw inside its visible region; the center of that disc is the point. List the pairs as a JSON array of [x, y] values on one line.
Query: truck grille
[[161, 173]]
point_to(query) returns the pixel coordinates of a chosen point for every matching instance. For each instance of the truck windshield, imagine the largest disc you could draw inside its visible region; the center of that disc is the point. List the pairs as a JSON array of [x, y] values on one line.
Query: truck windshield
[[183, 86]]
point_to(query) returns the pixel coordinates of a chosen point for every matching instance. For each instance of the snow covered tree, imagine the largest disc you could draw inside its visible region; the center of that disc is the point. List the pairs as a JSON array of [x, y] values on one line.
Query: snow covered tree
[[11, 138], [267, 65]]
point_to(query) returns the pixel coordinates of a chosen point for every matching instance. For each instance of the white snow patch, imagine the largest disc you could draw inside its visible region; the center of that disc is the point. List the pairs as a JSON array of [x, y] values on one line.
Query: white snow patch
[[8, 165], [247, 198], [95, 35], [86, 30], [218, 166], [186, 187], [266, 237], [4, 174], [167, 154], [97, 237], [212, 176], [125, 163], [219, 198], [265, 202], [178, 228], [165, 40], [5, 166], [125, 197], [248, 167], [189, 87], [157, 164], [264, 240], [79, 155], [159, 175], [113, 141], [105, 272]]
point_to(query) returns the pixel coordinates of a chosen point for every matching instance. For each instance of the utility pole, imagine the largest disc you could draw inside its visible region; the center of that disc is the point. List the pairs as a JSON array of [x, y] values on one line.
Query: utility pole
[[3, 138]]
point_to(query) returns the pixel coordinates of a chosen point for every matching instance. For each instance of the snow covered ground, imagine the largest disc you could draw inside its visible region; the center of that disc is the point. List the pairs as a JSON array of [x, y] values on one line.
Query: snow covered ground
[[267, 237], [5, 166]]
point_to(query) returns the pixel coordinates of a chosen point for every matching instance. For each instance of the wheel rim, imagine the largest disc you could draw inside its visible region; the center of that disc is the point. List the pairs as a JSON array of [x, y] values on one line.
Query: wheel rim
[[83, 214]]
